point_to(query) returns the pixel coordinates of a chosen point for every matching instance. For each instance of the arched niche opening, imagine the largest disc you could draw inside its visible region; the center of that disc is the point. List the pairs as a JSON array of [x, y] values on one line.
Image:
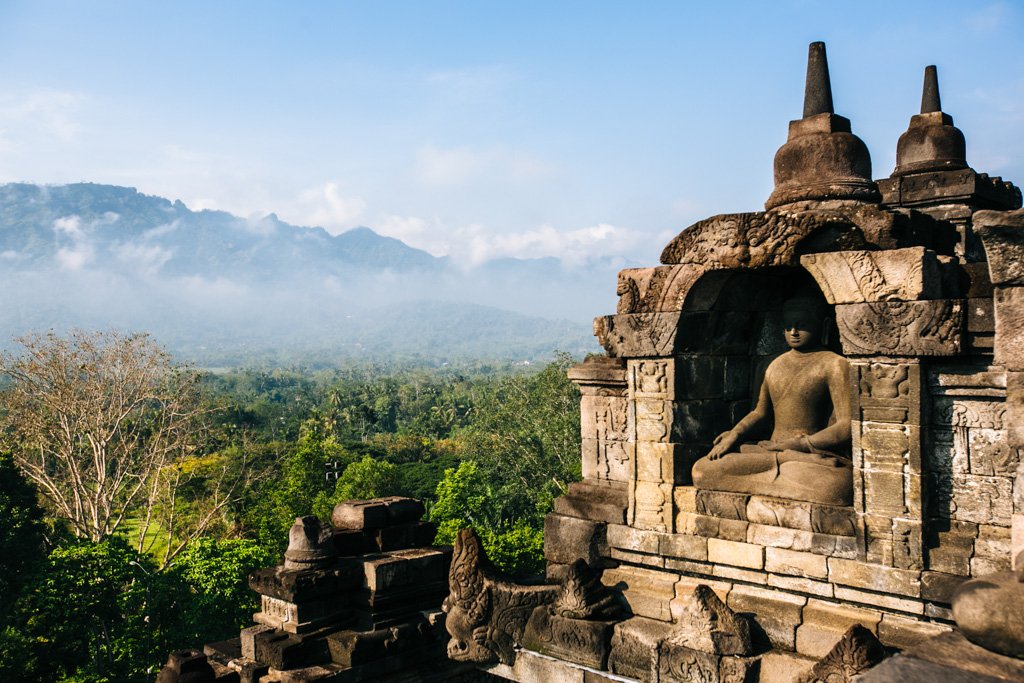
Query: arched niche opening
[[730, 329]]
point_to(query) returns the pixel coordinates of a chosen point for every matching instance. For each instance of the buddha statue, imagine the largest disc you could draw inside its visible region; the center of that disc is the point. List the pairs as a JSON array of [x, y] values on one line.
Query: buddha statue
[[805, 400]]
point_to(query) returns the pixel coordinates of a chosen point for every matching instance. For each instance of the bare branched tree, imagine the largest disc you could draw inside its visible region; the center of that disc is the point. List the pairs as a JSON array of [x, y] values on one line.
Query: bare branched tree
[[110, 430]]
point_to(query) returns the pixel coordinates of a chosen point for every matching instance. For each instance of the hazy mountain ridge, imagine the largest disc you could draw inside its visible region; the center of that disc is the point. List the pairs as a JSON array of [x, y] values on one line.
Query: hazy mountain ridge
[[119, 223], [211, 284]]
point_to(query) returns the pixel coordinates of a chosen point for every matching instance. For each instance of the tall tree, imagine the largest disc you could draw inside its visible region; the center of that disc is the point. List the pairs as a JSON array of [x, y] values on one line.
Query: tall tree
[[108, 428]]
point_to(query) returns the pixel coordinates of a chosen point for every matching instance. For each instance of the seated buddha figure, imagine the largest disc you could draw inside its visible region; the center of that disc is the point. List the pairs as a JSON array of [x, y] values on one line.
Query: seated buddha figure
[[805, 401]]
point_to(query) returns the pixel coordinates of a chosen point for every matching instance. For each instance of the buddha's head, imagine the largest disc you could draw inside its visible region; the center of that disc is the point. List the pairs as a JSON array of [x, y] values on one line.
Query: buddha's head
[[804, 320]]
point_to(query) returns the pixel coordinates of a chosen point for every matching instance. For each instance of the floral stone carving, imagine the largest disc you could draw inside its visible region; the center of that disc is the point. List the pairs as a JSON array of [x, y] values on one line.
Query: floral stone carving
[[578, 627]]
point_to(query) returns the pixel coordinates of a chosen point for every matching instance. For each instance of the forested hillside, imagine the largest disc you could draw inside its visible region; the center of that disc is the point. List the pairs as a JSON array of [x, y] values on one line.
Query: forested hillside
[[214, 468]]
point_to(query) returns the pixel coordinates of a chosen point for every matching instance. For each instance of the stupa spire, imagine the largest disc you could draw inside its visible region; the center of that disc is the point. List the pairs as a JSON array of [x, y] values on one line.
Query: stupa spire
[[930, 95], [818, 87]]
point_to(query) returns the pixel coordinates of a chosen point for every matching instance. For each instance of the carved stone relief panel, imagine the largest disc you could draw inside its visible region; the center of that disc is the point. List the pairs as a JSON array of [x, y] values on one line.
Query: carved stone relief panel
[[652, 378], [637, 335], [887, 392], [653, 419], [972, 498], [652, 386], [605, 425], [608, 460], [604, 417], [753, 240], [651, 506], [901, 328], [847, 277], [652, 290]]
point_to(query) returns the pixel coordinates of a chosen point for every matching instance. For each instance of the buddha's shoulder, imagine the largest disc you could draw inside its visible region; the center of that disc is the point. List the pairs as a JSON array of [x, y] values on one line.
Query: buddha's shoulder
[[822, 359]]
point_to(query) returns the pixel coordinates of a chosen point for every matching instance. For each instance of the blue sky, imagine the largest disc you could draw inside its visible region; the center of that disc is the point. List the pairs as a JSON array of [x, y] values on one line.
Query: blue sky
[[483, 129]]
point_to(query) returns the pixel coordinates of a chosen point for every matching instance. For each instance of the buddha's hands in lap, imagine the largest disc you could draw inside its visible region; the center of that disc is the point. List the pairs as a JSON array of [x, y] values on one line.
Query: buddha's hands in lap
[[794, 444], [723, 443]]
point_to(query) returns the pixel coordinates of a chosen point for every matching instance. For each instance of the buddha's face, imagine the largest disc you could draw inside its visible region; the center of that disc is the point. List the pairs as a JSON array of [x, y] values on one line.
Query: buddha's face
[[802, 328]]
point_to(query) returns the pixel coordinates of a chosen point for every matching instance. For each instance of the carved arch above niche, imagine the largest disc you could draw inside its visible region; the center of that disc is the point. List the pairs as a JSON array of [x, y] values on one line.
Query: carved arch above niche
[[778, 238]]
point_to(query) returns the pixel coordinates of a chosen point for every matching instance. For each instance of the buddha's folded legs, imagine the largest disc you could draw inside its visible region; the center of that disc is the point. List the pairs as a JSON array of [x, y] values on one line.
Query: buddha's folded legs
[[812, 477]]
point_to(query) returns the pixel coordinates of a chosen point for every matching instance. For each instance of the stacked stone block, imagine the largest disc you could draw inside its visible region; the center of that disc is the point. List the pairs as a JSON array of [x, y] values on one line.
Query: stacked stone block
[[356, 602], [1003, 237], [608, 453], [652, 392]]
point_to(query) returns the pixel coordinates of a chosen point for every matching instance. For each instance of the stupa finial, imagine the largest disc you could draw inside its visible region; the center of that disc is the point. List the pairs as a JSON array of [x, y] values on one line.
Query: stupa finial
[[930, 95], [818, 89]]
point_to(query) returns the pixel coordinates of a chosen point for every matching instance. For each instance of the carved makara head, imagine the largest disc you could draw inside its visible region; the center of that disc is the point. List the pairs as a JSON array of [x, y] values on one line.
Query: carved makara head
[[467, 604]]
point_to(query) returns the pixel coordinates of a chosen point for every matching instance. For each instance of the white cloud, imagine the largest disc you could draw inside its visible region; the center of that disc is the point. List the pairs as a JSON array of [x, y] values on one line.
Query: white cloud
[[75, 258], [474, 244], [325, 206], [73, 227], [80, 252], [573, 247], [414, 231], [70, 226], [145, 258]]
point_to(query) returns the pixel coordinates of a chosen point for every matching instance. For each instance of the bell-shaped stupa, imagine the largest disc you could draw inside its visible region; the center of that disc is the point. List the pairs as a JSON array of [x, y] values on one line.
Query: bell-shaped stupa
[[822, 159], [932, 142]]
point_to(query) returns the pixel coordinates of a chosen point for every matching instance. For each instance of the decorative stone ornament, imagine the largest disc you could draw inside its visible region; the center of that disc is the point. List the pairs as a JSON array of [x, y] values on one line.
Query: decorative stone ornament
[[855, 653]]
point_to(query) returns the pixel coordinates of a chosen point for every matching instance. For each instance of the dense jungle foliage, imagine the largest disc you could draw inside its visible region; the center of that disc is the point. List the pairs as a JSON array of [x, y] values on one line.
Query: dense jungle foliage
[[484, 446]]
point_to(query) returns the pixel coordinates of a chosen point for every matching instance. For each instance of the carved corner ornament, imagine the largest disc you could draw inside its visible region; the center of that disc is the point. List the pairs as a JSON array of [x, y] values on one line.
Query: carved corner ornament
[[486, 611], [856, 652]]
